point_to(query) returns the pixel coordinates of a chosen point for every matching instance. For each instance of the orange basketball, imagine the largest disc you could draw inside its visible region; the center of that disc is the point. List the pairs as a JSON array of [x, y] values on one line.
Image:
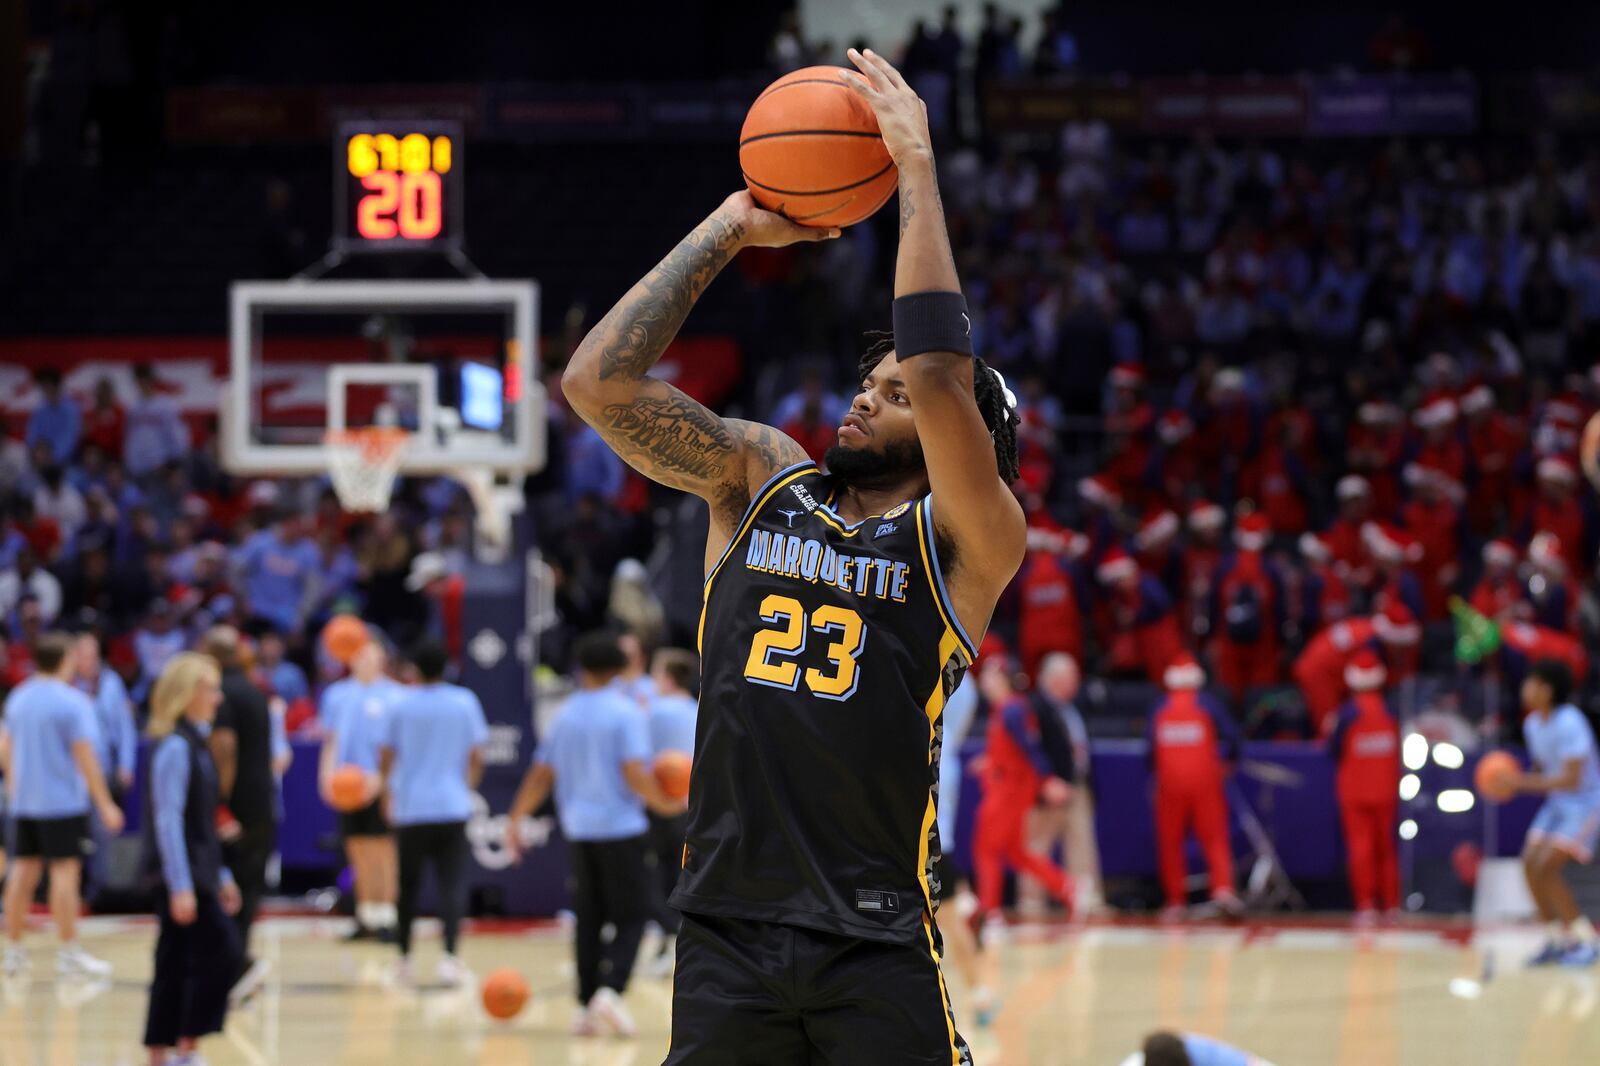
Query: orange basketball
[[1494, 774], [347, 789], [343, 636], [505, 992], [810, 150], [672, 772]]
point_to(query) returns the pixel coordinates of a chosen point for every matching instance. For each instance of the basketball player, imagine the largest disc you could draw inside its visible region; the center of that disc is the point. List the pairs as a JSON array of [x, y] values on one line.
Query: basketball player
[[355, 711], [841, 610], [1567, 827], [47, 746]]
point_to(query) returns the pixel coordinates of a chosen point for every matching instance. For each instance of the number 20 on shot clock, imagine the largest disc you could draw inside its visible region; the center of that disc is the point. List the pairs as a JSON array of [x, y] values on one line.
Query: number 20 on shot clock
[[397, 186]]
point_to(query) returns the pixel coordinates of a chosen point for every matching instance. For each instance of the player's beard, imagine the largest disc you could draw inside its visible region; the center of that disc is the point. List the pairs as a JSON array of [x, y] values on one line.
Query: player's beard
[[866, 468]]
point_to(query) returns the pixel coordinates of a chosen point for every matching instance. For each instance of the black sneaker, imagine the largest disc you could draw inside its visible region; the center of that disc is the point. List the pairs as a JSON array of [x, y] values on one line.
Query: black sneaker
[[360, 932], [386, 935]]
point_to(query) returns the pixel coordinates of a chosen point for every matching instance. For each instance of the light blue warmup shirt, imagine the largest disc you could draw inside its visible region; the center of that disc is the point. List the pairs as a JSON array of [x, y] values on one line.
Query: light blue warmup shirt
[[672, 722], [433, 729], [357, 714], [44, 717], [169, 776], [1555, 741], [959, 711], [595, 733]]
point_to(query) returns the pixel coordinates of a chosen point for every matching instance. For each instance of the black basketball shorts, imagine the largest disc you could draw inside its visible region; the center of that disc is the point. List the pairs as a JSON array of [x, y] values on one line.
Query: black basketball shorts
[[51, 838], [366, 822], [749, 993]]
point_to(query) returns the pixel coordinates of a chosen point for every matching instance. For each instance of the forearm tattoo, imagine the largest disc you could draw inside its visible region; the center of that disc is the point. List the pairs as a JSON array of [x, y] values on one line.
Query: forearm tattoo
[[637, 330], [672, 438]]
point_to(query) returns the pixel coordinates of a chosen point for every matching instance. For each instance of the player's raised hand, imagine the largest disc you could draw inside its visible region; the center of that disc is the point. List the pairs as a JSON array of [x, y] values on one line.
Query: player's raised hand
[[902, 116], [756, 227]]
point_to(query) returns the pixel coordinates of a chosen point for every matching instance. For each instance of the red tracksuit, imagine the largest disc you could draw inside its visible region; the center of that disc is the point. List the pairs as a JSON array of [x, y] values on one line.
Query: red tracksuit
[[1247, 615], [1049, 619], [1492, 445], [1366, 746], [1146, 629], [1185, 735], [1319, 671], [1495, 597], [1016, 767]]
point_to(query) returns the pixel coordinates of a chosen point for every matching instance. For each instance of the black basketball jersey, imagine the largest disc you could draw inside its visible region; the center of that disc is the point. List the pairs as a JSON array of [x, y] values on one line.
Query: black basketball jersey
[[828, 651]]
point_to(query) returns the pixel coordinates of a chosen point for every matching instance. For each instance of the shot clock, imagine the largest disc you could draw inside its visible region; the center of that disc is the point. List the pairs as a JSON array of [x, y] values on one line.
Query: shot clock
[[397, 186]]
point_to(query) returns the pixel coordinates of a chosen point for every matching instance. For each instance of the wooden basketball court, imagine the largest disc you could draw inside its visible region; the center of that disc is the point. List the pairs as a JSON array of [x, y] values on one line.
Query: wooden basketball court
[[1306, 995]]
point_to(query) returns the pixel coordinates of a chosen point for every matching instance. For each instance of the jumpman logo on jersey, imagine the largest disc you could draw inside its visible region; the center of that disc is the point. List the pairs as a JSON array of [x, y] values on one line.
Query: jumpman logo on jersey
[[790, 516]]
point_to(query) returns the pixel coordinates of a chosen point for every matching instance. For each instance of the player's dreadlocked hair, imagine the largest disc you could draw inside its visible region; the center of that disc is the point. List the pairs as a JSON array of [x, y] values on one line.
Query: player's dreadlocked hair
[[987, 390]]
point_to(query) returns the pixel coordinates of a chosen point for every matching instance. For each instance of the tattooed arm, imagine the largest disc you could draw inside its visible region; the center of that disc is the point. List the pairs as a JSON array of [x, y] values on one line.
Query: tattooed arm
[[658, 429]]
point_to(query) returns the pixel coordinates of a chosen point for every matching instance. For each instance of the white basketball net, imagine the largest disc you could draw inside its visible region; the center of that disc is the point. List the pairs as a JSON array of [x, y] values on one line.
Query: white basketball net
[[364, 464]]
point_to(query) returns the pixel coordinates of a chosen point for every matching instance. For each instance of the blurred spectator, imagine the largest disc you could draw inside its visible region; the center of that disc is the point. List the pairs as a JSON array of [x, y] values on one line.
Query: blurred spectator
[[26, 579], [1365, 745], [155, 432], [1066, 736], [105, 422], [56, 422], [278, 567], [283, 678]]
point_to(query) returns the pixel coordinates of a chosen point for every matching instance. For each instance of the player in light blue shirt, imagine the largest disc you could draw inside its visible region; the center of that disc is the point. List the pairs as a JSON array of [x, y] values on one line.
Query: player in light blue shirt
[[355, 715], [431, 760], [1190, 1049], [597, 759], [1567, 827], [48, 744]]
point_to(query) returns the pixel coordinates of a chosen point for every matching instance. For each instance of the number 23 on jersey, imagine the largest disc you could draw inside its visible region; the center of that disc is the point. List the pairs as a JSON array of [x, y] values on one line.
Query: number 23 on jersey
[[774, 650]]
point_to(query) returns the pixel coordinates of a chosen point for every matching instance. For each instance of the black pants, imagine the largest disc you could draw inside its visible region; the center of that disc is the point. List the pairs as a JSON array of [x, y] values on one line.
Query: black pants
[[666, 852], [609, 884], [748, 993], [444, 845], [247, 857], [195, 966]]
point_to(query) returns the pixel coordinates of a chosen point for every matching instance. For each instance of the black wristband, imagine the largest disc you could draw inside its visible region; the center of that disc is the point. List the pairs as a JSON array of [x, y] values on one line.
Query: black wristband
[[931, 322]]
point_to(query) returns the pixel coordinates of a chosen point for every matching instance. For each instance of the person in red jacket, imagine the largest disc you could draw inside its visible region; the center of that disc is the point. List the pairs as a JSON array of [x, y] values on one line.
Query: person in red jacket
[[1278, 480], [1493, 443], [1365, 746], [1344, 537], [1440, 448], [1145, 624], [1376, 444], [1156, 550], [1549, 596], [1557, 509], [1522, 645], [1016, 774], [1247, 611], [1050, 617], [1191, 739], [1319, 671], [1433, 517], [1498, 593], [1324, 594]]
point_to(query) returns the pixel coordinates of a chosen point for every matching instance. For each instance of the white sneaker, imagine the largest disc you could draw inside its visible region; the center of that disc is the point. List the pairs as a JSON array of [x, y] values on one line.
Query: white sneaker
[[583, 1023], [246, 987], [608, 1010], [16, 962], [452, 972], [402, 974], [193, 1058], [73, 961]]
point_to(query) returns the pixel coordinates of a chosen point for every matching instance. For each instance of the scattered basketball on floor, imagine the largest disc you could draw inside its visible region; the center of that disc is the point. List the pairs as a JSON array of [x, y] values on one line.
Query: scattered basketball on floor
[[505, 992], [1494, 776], [343, 636], [810, 149], [672, 771], [347, 789]]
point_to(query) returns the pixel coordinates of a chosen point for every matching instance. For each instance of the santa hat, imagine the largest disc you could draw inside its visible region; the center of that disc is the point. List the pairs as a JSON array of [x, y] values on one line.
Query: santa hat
[[1100, 489], [1315, 548], [1251, 532], [1183, 673], [1365, 671], [1157, 528], [1072, 544], [1416, 474], [1396, 624], [1557, 469], [1117, 566], [1390, 544], [1478, 398], [1205, 516], [1229, 379], [1564, 412], [1439, 411], [1353, 485], [1500, 552], [1544, 550], [1174, 427], [1127, 376], [1378, 413]]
